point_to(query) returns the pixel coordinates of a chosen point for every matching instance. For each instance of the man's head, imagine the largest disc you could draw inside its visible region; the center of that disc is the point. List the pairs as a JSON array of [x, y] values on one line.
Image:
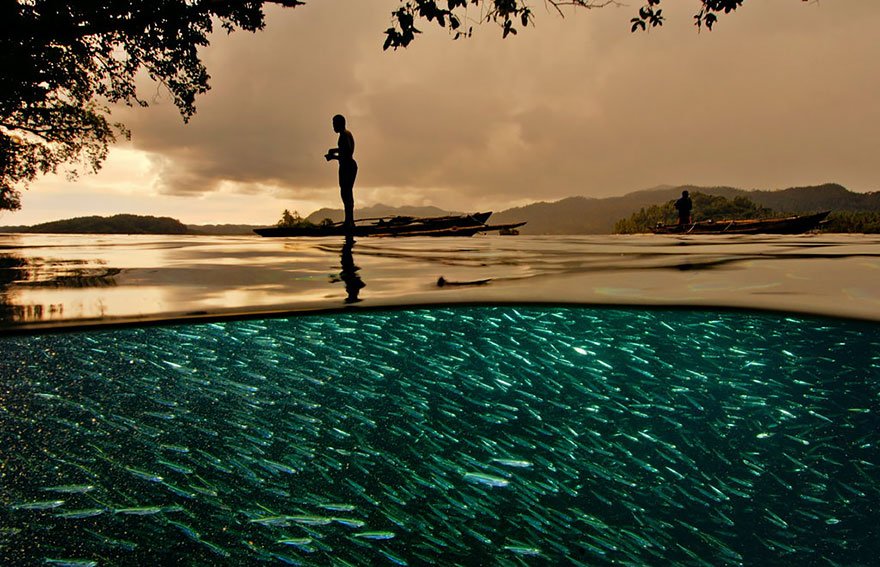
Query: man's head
[[338, 123], [683, 193]]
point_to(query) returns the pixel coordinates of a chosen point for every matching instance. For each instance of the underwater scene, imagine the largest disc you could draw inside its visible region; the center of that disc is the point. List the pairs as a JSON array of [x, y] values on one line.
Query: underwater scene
[[456, 435]]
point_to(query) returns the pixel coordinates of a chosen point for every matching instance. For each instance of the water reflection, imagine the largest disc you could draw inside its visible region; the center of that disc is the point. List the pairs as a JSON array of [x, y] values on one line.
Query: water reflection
[[18, 274], [73, 279], [11, 270], [41, 272], [349, 274]]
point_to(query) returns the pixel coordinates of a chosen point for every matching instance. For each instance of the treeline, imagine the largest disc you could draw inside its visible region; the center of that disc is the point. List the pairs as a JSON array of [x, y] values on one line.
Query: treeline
[[867, 222], [706, 207], [290, 220], [714, 207], [116, 224]]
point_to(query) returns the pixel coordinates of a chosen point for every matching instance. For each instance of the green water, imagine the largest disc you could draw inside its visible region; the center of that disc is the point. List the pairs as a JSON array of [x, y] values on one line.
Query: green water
[[448, 436]]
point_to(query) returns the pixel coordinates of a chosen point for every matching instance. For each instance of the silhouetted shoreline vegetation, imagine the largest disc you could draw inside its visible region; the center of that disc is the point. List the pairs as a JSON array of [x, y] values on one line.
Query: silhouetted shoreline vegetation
[[116, 224], [587, 215], [291, 220], [867, 222], [633, 212], [706, 207]]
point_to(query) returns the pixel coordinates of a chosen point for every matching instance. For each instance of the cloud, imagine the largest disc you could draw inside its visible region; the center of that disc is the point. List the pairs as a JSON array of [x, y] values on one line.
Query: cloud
[[266, 120], [778, 94]]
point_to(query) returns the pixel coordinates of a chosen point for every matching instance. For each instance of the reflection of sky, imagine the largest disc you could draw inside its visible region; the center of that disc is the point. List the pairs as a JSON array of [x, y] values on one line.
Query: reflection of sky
[[67, 279]]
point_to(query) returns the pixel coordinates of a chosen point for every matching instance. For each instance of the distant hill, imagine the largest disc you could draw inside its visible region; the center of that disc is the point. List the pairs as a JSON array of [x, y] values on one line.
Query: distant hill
[[116, 224], [829, 196], [581, 215], [572, 215], [378, 210]]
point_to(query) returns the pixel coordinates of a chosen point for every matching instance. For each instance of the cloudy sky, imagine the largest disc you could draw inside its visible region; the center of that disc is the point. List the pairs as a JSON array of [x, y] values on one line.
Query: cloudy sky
[[782, 93]]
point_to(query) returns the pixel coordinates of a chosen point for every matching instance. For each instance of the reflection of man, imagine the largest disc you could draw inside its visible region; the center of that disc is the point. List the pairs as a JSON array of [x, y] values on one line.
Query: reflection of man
[[344, 153], [353, 282], [684, 206]]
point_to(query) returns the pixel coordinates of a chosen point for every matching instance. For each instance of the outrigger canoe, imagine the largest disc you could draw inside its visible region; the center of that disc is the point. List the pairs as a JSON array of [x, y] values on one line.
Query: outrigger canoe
[[786, 225], [453, 225]]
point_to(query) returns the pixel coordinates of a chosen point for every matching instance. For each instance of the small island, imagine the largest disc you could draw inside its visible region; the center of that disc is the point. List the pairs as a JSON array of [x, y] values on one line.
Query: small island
[[116, 224]]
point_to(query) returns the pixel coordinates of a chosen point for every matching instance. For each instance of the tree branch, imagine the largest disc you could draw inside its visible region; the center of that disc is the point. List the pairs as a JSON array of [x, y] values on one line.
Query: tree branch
[[586, 4], [40, 133]]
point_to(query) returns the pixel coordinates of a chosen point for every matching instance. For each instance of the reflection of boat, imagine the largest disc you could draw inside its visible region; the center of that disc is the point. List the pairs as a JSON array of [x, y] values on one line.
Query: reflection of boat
[[787, 225], [453, 225]]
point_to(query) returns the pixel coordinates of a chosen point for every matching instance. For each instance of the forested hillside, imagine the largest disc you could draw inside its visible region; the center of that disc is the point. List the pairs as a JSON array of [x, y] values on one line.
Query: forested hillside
[[116, 224], [581, 215]]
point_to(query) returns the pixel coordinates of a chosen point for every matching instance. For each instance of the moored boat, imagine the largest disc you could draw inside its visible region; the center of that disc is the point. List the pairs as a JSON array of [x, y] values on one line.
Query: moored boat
[[452, 225], [787, 225], [456, 230]]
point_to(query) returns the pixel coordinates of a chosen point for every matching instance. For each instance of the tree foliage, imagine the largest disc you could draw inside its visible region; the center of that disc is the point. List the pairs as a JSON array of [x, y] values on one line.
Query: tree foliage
[[866, 222], [289, 219], [706, 207], [651, 15], [458, 16], [63, 62]]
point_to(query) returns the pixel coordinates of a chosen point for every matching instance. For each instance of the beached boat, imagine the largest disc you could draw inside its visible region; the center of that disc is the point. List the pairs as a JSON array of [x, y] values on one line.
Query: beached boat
[[453, 225], [786, 225]]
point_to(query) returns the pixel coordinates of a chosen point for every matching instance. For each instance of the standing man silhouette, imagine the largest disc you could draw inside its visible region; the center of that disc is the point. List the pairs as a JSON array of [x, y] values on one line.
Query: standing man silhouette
[[683, 206], [344, 153]]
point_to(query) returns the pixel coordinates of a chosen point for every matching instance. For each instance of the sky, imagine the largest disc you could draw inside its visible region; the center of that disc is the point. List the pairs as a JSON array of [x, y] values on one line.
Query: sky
[[779, 94]]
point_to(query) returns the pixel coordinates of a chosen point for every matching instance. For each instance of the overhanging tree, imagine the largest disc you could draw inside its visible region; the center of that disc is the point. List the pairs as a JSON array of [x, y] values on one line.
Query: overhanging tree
[[62, 63], [509, 14]]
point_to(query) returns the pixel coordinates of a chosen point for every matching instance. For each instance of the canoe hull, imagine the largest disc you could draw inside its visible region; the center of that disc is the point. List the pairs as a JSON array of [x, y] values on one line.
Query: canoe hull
[[788, 225], [391, 226], [457, 230]]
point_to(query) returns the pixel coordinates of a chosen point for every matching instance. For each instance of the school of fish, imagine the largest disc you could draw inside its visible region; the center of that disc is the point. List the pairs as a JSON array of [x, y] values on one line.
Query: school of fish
[[458, 436]]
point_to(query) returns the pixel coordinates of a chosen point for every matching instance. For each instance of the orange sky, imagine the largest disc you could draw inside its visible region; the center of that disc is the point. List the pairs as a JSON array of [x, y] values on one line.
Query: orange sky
[[780, 94]]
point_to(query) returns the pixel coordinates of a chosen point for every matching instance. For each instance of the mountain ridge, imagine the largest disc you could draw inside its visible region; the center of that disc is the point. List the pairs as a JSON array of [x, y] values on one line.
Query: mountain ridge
[[585, 215], [570, 215]]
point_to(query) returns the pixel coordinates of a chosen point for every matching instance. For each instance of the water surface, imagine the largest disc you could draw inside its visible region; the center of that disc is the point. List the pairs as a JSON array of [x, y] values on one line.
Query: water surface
[[51, 280]]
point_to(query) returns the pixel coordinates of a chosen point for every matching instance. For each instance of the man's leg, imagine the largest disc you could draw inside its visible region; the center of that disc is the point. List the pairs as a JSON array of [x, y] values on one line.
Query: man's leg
[[346, 188], [348, 206]]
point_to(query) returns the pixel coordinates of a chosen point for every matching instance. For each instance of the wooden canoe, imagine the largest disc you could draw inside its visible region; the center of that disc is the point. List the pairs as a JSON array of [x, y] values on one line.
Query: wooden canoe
[[456, 225], [787, 225]]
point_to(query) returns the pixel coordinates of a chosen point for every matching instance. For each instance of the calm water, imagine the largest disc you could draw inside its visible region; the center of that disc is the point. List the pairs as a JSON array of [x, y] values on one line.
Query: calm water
[[480, 429], [72, 280]]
